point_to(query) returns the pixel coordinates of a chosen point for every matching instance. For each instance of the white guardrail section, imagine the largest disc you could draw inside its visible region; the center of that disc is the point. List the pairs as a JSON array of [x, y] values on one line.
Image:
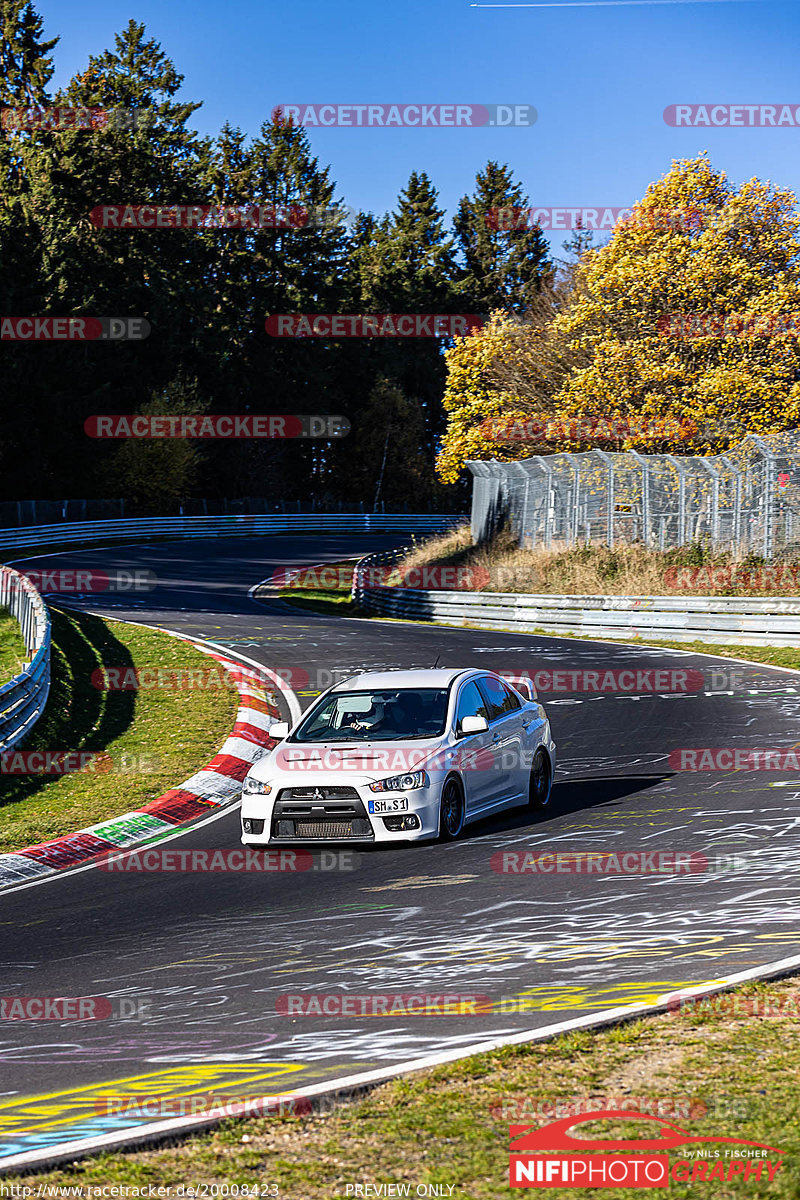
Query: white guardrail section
[[718, 619], [22, 700], [135, 529]]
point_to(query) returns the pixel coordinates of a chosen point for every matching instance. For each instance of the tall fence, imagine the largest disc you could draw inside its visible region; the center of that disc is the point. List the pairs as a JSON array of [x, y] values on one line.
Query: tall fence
[[746, 501], [23, 698]]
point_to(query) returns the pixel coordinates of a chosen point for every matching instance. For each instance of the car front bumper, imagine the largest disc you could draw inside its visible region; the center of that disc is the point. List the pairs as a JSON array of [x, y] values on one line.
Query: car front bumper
[[285, 819]]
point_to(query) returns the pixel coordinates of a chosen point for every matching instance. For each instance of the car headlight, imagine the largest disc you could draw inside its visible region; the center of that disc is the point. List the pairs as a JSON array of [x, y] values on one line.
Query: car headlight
[[401, 783], [254, 787]]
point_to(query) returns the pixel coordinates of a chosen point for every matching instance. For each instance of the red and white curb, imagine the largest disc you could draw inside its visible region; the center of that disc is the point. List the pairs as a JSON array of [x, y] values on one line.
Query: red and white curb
[[218, 784]]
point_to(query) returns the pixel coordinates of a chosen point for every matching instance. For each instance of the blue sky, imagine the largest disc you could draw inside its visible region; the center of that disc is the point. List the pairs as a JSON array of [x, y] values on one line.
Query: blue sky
[[599, 77]]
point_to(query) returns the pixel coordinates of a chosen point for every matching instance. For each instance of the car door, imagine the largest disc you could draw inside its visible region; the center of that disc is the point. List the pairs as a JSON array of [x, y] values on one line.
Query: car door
[[507, 741], [473, 752]]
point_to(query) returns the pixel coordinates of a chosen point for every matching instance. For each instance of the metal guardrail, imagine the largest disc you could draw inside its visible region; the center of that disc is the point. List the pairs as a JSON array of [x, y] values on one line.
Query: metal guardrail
[[145, 528], [737, 621], [22, 700]]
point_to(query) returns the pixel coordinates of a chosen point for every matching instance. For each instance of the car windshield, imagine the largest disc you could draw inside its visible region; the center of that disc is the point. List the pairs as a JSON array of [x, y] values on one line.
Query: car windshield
[[387, 715]]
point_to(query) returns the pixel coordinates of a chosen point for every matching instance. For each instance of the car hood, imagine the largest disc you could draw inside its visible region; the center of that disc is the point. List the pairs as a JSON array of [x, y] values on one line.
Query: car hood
[[371, 760]]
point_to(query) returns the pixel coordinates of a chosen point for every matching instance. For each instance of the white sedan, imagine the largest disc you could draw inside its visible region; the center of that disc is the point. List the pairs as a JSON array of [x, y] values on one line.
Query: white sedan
[[401, 756]]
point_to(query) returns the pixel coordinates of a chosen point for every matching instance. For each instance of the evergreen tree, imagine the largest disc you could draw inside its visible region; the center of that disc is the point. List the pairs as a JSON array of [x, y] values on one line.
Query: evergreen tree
[[504, 268]]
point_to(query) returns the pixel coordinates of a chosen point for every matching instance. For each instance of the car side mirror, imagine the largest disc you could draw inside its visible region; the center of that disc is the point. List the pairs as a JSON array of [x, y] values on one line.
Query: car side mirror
[[469, 725], [279, 730]]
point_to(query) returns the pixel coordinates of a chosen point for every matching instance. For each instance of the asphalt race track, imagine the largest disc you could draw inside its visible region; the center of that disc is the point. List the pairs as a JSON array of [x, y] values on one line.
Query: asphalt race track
[[202, 958]]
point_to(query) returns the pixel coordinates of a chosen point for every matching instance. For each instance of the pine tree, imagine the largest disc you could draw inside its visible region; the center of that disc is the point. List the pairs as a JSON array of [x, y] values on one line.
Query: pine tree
[[155, 274], [504, 268], [26, 67], [25, 71]]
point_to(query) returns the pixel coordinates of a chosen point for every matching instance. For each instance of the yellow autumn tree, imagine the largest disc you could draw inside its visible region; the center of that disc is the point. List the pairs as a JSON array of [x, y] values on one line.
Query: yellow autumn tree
[[496, 376], [658, 336], [468, 401], [650, 311]]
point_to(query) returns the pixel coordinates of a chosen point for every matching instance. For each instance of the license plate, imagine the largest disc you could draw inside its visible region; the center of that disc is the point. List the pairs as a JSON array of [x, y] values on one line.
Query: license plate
[[400, 804]]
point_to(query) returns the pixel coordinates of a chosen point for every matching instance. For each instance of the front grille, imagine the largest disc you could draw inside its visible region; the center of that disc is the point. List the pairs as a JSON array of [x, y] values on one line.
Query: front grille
[[333, 818], [335, 830]]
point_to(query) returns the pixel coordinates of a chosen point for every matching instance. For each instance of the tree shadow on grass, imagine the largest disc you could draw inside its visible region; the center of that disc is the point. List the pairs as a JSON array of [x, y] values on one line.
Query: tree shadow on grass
[[79, 716]]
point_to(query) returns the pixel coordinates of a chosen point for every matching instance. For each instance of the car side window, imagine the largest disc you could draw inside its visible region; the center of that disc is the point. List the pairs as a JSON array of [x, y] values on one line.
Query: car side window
[[500, 700], [471, 703], [513, 701]]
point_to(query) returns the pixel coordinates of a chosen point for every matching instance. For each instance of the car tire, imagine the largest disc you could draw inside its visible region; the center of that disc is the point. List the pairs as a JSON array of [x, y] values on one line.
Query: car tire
[[451, 810], [540, 785]]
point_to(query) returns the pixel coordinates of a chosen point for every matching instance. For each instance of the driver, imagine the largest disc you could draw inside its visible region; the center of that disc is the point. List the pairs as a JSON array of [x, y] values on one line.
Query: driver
[[368, 720]]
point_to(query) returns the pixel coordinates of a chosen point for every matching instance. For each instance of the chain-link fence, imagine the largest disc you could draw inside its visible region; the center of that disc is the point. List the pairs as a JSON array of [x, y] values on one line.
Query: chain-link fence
[[747, 500]]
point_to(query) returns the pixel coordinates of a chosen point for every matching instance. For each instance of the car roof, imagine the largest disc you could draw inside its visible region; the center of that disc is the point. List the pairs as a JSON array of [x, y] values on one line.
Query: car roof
[[441, 677]]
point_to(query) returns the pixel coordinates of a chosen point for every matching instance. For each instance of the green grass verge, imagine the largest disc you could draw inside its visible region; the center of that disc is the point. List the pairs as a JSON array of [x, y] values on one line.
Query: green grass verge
[[334, 601], [449, 1126], [154, 738], [12, 647]]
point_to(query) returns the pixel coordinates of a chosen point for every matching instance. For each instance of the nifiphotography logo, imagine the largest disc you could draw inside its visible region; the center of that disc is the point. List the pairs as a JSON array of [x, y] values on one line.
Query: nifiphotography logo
[[638, 1162]]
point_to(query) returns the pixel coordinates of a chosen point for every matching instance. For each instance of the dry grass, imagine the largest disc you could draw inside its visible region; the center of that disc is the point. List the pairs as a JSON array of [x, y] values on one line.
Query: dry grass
[[632, 570]]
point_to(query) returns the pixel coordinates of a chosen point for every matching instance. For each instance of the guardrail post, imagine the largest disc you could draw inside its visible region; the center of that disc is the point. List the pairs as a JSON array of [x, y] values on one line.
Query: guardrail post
[[681, 469], [572, 524], [609, 496], [714, 473], [550, 504], [645, 496], [768, 499]]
